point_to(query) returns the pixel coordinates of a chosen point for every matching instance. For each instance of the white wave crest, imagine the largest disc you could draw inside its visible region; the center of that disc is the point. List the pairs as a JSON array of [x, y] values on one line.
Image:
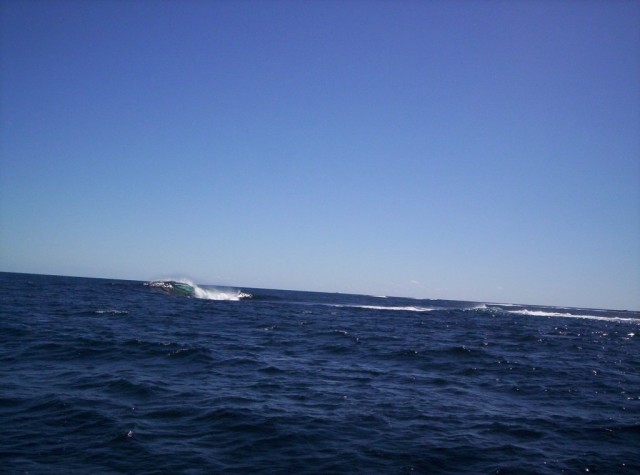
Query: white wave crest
[[541, 313], [382, 307]]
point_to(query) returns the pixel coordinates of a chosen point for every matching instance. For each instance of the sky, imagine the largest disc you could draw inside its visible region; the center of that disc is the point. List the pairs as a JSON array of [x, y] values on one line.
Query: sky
[[468, 150]]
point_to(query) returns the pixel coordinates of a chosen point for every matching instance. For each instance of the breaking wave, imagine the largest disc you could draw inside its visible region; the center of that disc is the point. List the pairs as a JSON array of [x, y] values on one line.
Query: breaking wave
[[187, 288], [409, 308], [542, 313]]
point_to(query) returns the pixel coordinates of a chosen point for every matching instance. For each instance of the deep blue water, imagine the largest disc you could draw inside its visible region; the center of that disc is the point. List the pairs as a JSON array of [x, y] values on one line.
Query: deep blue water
[[110, 376]]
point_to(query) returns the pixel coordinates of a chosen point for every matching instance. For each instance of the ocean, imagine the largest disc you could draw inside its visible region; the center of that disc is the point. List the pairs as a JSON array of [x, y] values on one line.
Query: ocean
[[111, 376]]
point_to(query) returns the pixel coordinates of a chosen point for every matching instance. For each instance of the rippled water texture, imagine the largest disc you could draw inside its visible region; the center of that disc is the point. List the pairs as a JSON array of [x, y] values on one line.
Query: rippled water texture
[[117, 376]]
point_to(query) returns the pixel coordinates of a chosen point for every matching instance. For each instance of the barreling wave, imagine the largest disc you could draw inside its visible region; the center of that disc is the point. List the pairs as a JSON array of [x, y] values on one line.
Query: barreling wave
[[186, 288]]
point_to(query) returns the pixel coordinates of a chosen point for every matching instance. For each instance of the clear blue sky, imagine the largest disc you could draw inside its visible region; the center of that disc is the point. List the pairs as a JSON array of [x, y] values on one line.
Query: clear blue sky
[[482, 150]]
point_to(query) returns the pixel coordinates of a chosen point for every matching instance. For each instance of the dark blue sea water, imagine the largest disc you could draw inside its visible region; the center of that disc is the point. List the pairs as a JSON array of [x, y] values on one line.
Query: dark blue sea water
[[109, 376]]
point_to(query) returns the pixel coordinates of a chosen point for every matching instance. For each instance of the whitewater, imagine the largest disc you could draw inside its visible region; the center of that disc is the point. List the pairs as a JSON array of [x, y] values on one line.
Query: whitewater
[[170, 376]]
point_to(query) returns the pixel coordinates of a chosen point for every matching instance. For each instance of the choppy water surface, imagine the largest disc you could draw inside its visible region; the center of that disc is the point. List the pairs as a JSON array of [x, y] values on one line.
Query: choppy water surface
[[120, 376]]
